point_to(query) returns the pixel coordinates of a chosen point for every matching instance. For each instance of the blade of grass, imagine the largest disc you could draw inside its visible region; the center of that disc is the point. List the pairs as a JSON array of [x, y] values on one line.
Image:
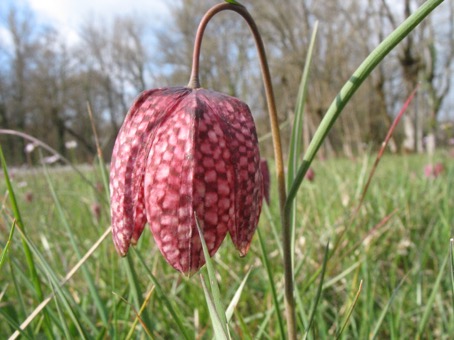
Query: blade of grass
[[269, 271], [64, 295], [137, 319], [20, 305], [69, 309], [218, 326], [89, 279], [62, 324], [375, 229], [297, 129], [385, 310], [7, 245], [296, 136], [352, 85], [301, 314], [343, 274], [362, 174], [102, 164], [428, 309], [276, 234], [319, 291], [28, 254], [384, 145], [261, 334], [236, 297], [451, 262], [350, 311], [68, 276], [269, 135], [213, 284], [12, 322], [135, 290], [164, 298], [114, 314], [245, 332], [391, 130]]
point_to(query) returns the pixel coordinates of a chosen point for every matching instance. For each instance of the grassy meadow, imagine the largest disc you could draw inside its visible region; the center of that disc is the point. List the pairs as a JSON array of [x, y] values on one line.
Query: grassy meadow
[[387, 275]]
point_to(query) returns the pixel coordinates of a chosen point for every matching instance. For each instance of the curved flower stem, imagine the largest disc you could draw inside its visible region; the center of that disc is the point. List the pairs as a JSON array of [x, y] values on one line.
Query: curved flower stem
[[285, 220]]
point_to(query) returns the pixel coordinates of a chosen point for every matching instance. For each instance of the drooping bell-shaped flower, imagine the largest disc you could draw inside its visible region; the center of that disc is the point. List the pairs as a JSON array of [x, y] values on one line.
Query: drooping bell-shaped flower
[[183, 154]]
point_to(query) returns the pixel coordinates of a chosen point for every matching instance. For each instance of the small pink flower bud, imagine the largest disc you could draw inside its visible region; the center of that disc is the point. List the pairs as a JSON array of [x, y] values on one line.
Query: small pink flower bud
[[182, 152], [438, 169], [99, 187], [434, 170], [96, 210], [310, 175], [29, 197]]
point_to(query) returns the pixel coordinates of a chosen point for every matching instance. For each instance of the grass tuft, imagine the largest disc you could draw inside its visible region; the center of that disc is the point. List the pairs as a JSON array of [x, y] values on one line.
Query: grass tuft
[[397, 246]]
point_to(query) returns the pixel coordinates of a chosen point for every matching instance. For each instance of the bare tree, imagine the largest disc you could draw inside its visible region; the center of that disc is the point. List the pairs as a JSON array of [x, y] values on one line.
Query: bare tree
[[439, 57], [117, 57], [227, 51], [45, 84], [15, 100], [425, 56]]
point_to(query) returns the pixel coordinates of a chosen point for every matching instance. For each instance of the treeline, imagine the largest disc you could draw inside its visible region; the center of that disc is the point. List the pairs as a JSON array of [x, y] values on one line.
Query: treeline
[[48, 84]]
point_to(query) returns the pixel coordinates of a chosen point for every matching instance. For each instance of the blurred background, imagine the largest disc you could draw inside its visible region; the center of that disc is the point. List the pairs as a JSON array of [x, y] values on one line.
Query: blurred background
[[56, 57]]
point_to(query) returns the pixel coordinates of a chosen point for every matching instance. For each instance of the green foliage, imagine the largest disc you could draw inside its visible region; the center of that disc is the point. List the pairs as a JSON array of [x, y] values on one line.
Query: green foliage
[[233, 2], [353, 84], [403, 263], [213, 294]]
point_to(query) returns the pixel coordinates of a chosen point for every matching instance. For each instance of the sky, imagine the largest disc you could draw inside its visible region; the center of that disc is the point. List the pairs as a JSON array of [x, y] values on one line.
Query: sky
[[67, 15]]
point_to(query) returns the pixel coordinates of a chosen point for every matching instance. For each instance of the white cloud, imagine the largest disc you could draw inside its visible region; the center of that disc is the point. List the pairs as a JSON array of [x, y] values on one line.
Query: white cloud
[[5, 37], [72, 11], [67, 15], [51, 9]]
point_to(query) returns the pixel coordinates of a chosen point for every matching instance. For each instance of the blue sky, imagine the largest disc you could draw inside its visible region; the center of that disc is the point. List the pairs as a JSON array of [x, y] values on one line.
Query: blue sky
[[67, 15]]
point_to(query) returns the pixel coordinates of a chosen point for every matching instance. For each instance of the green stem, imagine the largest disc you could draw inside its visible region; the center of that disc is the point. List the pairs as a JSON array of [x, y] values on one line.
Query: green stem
[[285, 220], [28, 253], [352, 85]]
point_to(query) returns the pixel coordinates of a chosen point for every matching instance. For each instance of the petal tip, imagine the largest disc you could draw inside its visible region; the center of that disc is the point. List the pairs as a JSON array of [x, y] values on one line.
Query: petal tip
[[121, 252]]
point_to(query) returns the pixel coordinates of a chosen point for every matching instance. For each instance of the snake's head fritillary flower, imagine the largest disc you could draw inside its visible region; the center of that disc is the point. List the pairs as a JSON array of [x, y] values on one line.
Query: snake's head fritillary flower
[[183, 153]]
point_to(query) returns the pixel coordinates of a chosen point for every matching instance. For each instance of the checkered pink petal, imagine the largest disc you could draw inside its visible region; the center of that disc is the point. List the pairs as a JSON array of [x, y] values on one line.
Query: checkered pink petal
[[128, 166], [181, 153]]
